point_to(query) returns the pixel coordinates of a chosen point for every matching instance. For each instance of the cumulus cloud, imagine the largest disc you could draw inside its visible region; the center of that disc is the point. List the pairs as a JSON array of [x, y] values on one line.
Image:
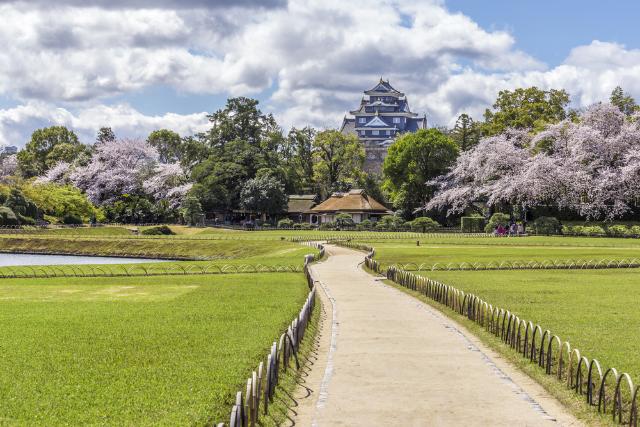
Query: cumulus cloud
[[157, 4], [314, 58], [16, 124]]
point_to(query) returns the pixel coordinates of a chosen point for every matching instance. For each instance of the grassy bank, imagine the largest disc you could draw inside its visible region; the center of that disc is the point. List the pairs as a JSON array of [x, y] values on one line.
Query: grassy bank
[[136, 351], [596, 310], [250, 251], [496, 250]]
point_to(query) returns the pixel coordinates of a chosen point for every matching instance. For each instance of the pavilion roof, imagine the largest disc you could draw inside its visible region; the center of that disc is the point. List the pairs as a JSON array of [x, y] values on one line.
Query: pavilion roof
[[352, 201]]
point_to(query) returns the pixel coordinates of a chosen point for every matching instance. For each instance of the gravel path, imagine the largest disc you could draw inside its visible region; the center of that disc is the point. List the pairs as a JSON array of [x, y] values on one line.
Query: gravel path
[[387, 359]]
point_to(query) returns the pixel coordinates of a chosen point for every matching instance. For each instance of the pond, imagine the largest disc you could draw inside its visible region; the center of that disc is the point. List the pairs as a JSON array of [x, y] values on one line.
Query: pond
[[7, 260]]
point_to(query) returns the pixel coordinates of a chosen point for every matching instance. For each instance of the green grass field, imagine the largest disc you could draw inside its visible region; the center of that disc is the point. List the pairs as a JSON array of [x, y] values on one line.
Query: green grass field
[[484, 250], [595, 310], [136, 351], [250, 251]]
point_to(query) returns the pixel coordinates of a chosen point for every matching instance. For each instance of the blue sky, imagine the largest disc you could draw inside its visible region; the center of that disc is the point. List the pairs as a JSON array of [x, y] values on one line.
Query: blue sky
[[140, 65], [549, 29]]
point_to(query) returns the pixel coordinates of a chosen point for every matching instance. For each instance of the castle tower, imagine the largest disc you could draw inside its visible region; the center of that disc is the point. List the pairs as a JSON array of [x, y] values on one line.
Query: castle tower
[[383, 115]]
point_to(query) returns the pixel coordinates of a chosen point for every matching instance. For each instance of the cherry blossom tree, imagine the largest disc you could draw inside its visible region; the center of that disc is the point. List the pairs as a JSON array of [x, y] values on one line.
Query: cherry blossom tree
[[8, 166], [57, 174], [116, 167], [591, 167], [168, 182]]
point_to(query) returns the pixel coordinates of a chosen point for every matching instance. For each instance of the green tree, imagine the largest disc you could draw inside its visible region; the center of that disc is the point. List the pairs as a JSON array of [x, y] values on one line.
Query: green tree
[[105, 134], [168, 143], [264, 195], [338, 161], [218, 183], [192, 210], [465, 133], [47, 147], [60, 200], [525, 108], [240, 120], [194, 150], [241, 142], [412, 161], [22, 206], [623, 101], [298, 157]]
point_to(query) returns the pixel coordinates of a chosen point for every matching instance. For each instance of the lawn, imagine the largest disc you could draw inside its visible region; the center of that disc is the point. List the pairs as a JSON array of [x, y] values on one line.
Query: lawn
[[250, 251], [595, 310], [170, 350], [484, 250]]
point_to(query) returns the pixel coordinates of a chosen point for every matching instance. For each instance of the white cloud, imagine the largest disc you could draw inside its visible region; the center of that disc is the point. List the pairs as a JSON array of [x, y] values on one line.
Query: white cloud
[[16, 124], [316, 55]]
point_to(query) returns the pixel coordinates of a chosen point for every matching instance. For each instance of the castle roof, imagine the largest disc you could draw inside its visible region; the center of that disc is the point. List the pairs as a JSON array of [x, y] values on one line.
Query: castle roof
[[384, 87], [376, 122], [348, 126]]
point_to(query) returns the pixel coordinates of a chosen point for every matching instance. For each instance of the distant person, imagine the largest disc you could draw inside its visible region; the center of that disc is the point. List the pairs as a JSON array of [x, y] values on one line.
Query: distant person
[[520, 228]]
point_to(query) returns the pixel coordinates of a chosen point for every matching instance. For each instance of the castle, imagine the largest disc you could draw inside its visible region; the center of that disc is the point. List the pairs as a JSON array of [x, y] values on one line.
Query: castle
[[383, 114]]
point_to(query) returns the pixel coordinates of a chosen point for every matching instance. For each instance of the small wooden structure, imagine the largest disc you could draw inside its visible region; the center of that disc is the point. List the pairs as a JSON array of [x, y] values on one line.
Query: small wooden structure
[[356, 203]]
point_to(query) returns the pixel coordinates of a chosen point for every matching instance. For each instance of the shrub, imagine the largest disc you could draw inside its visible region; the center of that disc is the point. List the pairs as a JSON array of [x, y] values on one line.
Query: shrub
[[26, 220], [593, 230], [577, 230], [327, 226], [390, 222], [472, 224], [496, 219], [635, 230], [7, 217], [546, 225], [380, 226], [285, 223], [344, 220], [366, 224], [161, 230], [424, 224], [59, 200], [306, 226], [618, 230], [72, 219]]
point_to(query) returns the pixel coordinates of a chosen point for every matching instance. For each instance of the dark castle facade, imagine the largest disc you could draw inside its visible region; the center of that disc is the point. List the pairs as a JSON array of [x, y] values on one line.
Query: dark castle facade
[[383, 115]]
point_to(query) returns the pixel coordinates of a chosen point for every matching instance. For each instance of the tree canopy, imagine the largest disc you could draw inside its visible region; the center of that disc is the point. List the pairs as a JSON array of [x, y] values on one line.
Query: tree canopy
[[591, 167], [338, 161], [413, 160], [625, 103], [525, 108], [47, 147], [466, 132]]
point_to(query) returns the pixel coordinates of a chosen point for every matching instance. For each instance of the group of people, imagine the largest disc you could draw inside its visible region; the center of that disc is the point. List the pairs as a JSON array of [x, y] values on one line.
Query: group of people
[[513, 229]]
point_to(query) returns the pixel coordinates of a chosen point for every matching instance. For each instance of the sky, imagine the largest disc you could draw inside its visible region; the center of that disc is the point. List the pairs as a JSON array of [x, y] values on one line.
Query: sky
[[141, 65]]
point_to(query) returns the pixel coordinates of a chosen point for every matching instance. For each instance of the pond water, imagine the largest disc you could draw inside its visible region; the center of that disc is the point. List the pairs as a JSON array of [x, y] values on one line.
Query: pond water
[[27, 259]]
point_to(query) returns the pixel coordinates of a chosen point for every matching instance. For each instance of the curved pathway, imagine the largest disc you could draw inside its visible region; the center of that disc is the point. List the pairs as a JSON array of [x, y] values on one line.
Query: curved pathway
[[388, 359]]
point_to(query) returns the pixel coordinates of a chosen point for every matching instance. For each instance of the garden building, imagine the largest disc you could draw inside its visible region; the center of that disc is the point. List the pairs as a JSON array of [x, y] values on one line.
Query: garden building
[[299, 207], [383, 114], [356, 203]]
